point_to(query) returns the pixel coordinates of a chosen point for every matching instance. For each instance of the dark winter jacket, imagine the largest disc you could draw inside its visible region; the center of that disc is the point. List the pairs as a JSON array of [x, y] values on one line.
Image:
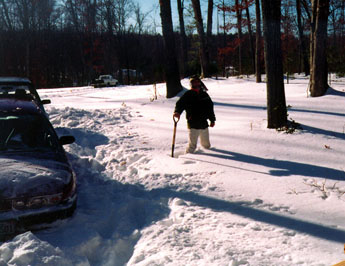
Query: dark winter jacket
[[198, 107]]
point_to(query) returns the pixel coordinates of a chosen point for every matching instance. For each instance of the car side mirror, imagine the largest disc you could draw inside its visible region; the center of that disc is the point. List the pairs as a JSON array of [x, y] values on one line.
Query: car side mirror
[[46, 101], [66, 140]]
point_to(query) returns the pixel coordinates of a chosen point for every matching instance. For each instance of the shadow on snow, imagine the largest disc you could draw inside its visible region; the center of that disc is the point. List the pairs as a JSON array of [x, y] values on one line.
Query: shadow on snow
[[83, 137], [239, 208], [314, 130], [280, 167], [263, 107]]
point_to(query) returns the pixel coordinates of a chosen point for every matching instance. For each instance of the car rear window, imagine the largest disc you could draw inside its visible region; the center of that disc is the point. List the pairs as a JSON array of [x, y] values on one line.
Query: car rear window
[[12, 89], [26, 132]]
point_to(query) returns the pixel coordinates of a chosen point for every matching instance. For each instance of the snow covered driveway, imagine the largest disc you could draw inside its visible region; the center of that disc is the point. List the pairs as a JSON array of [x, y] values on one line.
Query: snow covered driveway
[[258, 197]]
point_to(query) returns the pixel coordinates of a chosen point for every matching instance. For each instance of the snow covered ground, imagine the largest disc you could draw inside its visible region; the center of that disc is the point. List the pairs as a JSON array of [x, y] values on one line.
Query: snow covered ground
[[258, 197]]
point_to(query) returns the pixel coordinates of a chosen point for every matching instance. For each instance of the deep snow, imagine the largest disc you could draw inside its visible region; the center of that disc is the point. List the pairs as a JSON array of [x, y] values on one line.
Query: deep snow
[[258, 197]]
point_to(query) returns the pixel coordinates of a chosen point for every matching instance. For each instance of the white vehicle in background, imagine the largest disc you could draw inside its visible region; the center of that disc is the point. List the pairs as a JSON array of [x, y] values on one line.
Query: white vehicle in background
[[105, 80]]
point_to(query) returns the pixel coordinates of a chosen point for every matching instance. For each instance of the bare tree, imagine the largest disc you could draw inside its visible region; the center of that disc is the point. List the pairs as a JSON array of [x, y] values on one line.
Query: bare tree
[[140, 18], [238, 9], [172, 74], [258, 61], [123, 11], [184, 41], [209, 19], [209, 26], [249, 24], [204, 53], [221, 7], [6, 19], [108, 17], [319, 72], [45, 14], [73, 15], [303, 49], [276, 104], [25, 8]]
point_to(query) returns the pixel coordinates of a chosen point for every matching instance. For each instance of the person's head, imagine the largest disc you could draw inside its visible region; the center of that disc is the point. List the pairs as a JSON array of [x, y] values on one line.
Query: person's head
[[195, 82]]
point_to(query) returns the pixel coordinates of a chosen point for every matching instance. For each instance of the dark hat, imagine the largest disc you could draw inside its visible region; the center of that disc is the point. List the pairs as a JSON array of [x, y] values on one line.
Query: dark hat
[[197, 78], [194, 78]]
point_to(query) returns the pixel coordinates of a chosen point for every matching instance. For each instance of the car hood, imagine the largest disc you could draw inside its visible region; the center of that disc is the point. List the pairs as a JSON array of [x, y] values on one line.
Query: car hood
[[23, 176]]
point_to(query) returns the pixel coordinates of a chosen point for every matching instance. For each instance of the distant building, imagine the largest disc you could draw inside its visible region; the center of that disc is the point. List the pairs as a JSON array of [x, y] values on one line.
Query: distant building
[[129, 76], [230, 71]]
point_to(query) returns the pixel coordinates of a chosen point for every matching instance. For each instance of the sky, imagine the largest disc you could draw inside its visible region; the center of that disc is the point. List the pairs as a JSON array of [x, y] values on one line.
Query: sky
[[257, 197]]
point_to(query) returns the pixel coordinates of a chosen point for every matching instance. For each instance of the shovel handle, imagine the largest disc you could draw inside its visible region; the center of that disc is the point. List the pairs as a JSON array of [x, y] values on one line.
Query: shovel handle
[[176, 119]]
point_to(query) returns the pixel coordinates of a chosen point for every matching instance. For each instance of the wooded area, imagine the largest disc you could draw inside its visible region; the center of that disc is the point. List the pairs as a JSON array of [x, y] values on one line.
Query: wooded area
[[70, 42]]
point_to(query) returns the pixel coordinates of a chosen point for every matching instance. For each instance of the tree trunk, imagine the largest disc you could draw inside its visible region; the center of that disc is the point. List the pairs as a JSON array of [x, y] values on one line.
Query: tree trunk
[[204, 56], [239, 35], [184, 45], [318, 77], [224, 38], [252, 51], [303, 49], [312, 33], [258, 61], [209, 19], [276, 104], [209, 31], [342, 28], [172, 74]]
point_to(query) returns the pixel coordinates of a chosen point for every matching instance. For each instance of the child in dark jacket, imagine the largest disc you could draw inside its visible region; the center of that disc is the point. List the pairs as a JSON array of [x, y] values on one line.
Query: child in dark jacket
[[199, 109]]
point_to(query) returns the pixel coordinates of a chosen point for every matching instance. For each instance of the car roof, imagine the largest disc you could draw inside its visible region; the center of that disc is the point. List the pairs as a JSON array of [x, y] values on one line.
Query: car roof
[[14, 106], [14, 80]]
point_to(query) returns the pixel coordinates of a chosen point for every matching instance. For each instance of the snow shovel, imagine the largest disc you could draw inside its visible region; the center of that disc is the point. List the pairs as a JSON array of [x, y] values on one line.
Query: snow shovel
[[176, 119]]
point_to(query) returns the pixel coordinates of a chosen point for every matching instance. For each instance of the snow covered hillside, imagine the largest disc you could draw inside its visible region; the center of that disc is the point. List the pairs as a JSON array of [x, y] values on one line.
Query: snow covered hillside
[[257, 197]]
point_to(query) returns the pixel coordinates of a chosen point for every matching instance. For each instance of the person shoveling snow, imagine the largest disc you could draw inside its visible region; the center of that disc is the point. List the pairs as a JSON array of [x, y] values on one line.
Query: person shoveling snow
[[199, 109]]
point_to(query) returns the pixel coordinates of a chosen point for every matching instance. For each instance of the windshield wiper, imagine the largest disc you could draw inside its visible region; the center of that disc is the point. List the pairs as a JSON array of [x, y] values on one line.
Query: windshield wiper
[[3, 146], [9, 137]]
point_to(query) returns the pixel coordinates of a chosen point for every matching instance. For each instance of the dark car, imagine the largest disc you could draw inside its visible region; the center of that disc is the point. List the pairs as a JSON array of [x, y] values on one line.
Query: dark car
[[37, 183], [21, 88]]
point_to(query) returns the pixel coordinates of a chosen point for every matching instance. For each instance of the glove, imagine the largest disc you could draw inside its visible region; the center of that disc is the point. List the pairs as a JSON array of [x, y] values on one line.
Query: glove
[[177, 115], [212, 124]]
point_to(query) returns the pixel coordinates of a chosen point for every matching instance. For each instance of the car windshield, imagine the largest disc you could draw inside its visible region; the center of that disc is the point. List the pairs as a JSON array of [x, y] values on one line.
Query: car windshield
[[25, 133]]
